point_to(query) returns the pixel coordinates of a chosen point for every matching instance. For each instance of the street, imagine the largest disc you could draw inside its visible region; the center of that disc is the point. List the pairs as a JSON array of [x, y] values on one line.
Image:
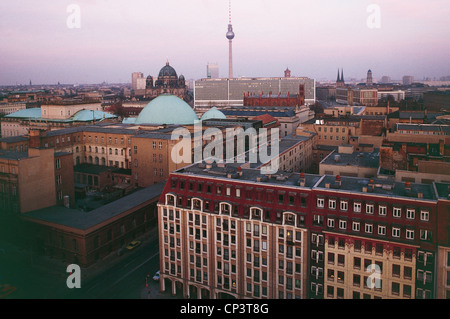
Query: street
[[125, 279]]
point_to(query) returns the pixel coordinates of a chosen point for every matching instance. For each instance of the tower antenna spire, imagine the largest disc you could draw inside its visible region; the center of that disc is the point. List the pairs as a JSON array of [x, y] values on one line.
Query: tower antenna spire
[[230, 37]]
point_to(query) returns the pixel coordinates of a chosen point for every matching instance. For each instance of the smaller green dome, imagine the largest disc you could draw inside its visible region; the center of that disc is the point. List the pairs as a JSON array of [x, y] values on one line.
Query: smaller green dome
[[213, 113]]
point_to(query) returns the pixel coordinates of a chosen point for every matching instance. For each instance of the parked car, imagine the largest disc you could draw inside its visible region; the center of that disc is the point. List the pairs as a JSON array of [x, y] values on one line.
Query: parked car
[[156, 276], [133, 244]]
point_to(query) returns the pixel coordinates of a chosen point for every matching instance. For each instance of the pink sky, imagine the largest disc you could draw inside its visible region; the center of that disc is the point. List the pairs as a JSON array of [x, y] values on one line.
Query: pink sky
[[312, 38]]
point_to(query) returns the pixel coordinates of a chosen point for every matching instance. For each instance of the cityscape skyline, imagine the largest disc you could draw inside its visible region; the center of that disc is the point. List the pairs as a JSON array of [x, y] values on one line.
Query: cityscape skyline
[[117, 39]]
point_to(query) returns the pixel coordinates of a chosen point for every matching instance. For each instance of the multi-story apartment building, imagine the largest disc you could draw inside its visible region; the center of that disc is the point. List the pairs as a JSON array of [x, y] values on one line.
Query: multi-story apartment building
[[389, 227], [21, 183], [227, 236], [357, 96], [227, 231]]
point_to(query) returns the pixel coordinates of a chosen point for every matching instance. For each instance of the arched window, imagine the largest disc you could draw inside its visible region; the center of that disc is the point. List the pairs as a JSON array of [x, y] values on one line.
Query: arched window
[[256, 213], [225, 209], [170, 200], [289, 218], [197, 204]]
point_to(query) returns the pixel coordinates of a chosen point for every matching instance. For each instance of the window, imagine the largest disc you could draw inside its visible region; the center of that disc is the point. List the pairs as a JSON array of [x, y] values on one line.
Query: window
[[341, 260], [355, 226], [320, 202], [409, 234], [332, 204], [395, 288], [356, 262], [425, 235], [344, 205], [357, 207], [318, 220], [395, 232], [330, 223], [369, 228], [331, 258], [406, 291], [410, 213], [382, 210], [369, 209], [424, 215], [395, 270], [342, 224], [397, 212], [381, 230], [407, 272]]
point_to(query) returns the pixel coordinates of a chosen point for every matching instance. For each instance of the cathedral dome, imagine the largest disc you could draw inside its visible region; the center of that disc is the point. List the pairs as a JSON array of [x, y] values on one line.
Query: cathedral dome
[[167, 70], [167, 109]]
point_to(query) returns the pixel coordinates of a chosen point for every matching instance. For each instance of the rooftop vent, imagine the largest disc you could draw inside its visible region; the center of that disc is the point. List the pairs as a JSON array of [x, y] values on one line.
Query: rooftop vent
[[408, 186], [302, 180]]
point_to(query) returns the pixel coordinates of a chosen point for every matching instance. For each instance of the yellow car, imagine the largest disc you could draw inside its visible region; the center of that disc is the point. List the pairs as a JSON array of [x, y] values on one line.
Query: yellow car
[[133, 244]]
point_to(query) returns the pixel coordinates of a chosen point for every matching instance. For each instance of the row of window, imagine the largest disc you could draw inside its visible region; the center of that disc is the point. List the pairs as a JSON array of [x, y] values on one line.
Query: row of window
[[317, 290], [396, 232], [249, 193], [102, 139], [370, 209]]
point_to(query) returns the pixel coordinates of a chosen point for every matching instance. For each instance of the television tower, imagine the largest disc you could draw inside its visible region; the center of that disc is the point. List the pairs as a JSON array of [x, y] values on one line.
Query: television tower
[[230, 37]]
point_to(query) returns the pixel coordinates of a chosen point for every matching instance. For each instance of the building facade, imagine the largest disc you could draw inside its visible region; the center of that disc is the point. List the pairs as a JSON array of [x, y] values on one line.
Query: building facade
[[225, 233], [230, 92]]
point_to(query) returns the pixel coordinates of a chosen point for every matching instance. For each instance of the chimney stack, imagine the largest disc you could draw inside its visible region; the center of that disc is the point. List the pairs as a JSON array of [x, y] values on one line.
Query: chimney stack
[[35, 138]]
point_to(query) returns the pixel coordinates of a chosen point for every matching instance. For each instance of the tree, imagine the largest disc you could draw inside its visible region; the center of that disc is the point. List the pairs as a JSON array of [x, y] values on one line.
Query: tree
[[317, 108]]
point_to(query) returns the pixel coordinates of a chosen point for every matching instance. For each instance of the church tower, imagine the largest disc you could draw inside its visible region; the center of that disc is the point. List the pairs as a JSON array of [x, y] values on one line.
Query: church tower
[[340, 79]]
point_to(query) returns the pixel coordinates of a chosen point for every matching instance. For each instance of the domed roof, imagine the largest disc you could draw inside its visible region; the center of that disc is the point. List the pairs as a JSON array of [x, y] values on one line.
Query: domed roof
[[167, 109], [167, 70], [213, 113]]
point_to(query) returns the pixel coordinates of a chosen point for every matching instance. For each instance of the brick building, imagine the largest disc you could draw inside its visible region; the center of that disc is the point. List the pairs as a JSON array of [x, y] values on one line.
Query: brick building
[[228, 232]]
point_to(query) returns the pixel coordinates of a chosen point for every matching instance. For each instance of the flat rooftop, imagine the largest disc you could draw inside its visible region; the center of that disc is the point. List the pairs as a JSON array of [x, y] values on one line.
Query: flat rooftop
[[230, 172], [370, 186], [377, 186], [12, 155], [84, 220], [360, 159]]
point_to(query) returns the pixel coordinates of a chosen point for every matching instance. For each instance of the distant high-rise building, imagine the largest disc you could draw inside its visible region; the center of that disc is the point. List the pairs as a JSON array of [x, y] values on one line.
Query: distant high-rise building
[[385, 79], [369, 78], [134, 79], [141, 83], [230, 37], [408, 80], [212, 71]]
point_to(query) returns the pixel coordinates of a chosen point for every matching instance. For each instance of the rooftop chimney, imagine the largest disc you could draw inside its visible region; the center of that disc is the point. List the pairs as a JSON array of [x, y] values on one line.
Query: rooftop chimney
[[35, 138], [302, 179], [408, 186], [338, 180]]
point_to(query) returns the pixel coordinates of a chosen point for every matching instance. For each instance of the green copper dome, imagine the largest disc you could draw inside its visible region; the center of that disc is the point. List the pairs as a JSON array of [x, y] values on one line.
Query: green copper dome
[[167, 109], [213, 113]]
